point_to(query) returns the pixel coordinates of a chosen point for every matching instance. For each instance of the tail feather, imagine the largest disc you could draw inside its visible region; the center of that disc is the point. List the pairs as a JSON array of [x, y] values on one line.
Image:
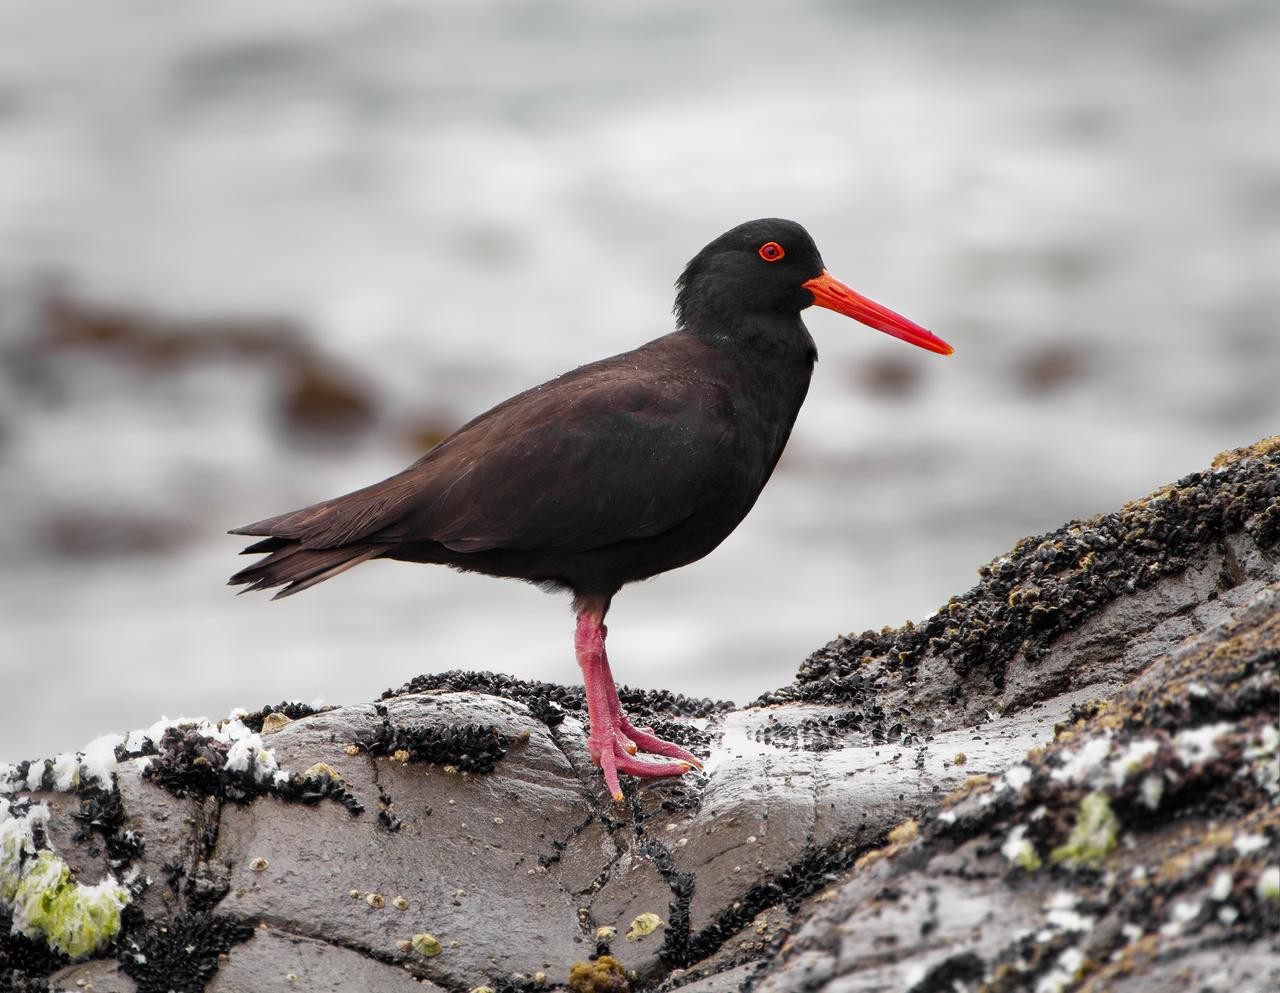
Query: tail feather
[[340, 521], [305, 547], [296, 568], [265, 545]]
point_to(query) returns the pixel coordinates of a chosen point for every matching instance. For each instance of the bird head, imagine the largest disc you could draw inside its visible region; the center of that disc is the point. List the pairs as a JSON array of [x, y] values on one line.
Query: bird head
[[772, 266]]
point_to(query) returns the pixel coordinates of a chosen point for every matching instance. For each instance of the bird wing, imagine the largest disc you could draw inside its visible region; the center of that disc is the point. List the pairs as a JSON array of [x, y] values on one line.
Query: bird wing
[[585, 477], [617, 450]]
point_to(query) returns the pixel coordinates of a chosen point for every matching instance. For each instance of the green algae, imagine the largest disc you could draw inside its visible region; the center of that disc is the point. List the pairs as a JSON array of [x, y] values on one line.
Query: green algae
[[45, 902], [1269, 884], [1092, 838], [73, 918], [1020, 850], [1028, 859]]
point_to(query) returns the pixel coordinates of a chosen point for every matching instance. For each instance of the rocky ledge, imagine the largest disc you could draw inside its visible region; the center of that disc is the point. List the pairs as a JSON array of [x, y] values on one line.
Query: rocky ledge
[[1064, 779]]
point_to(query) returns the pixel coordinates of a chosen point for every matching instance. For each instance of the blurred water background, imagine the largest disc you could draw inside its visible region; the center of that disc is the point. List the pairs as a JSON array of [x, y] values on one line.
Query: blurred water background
[[254, 255]]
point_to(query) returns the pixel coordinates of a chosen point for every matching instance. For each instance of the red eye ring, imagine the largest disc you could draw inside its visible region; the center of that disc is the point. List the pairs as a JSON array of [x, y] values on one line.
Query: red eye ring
[[771, 251]]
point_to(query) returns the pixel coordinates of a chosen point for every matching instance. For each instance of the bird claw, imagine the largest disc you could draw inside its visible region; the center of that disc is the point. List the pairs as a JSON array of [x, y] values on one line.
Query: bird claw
[[614, 743], [653, 745], [612, 755]]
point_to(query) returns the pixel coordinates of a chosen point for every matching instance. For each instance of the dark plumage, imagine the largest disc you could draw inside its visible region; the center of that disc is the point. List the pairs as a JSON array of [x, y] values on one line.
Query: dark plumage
[[613, 472]]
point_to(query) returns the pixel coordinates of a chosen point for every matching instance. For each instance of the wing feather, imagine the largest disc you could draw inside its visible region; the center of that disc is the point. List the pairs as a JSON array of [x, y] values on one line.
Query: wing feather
[[617, 450]]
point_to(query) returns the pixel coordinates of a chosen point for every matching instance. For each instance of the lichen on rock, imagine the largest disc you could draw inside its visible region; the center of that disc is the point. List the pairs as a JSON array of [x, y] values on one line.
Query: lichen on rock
[[1092, 838], [1019, 850], [643, 925], [604, 975], [40, 895]]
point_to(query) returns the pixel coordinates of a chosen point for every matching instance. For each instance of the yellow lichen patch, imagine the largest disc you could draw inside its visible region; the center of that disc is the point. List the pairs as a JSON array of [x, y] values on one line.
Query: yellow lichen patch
[[322, 769], [1007, 976], [1200, 851], [274, 721], [970, 784], [1023, 594], [1090, 717], [898, 838], [1152, 497], [1109, 720], [1258, 449], [604, 975], [1134, 957], [643, 926]]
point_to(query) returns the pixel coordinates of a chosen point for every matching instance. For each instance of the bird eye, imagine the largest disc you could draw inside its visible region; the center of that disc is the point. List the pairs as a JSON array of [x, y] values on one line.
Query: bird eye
[[771, 251]]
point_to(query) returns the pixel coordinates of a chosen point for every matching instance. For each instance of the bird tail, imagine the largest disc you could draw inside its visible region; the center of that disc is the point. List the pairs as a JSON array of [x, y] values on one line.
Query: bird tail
[[296, 568]]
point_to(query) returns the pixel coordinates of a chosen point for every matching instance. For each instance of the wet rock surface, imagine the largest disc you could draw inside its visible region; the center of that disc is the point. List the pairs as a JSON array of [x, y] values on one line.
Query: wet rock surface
[[1064, 779], [1128, 584], [1137, 851]]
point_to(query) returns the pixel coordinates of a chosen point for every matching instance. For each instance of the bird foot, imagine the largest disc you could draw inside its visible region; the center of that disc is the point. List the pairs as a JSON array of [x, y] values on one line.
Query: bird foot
[[609, 751], [651, 744], [613, 741]]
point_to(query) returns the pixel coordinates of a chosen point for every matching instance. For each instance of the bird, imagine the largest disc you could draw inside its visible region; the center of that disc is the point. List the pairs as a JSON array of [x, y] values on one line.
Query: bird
[[612, 473]]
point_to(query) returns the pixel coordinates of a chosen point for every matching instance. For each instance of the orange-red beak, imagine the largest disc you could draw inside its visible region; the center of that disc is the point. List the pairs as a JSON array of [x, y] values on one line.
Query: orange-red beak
[[829, 292]]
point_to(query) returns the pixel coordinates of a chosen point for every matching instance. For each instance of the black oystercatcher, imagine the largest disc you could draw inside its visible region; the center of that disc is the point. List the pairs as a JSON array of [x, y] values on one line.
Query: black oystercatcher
[[615, 472]]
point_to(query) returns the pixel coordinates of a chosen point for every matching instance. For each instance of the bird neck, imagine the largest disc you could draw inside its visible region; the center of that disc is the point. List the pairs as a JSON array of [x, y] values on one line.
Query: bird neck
[[770, 347], [767, 361]]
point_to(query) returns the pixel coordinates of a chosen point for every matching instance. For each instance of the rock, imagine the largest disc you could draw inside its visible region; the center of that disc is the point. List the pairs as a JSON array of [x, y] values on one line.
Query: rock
[[1158, 809], [1066, 778], [275, 961], [100, 975], [483, 834]]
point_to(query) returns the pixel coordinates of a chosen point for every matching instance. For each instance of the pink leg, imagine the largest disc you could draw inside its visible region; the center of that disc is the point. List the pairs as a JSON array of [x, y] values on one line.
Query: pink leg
[[608, 743], [642, 738]]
